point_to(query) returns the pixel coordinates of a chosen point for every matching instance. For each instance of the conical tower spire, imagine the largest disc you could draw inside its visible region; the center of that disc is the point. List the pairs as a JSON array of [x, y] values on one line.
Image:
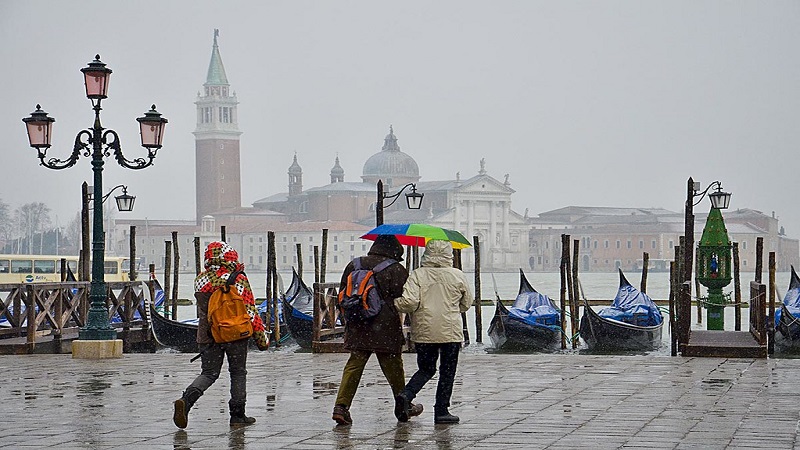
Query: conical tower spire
[[216, 71]]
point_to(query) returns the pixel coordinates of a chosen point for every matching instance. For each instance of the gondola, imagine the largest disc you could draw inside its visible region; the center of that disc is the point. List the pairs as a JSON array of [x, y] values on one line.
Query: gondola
[[181, 336], [631, 323], [787, 318], [298, 311], [531, 324]]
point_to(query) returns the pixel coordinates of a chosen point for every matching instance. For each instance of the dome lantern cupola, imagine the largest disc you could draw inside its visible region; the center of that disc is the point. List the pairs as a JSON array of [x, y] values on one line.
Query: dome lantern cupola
[[337, 173], [391, 165]]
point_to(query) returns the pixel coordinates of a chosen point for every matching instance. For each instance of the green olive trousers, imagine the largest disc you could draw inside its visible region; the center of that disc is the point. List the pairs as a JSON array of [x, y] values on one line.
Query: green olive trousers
[[391, 365]]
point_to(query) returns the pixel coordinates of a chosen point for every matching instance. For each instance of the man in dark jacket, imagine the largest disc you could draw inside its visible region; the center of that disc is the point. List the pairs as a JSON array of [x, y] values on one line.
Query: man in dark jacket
[[382, 335]]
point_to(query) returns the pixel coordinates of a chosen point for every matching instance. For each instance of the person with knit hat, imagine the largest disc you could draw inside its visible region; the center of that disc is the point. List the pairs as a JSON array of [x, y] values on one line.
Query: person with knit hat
[[221, 262], [435, 295], [382, 334]]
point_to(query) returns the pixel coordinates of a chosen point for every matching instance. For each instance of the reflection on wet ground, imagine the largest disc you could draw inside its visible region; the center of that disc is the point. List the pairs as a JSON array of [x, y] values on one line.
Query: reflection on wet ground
[[504, 401]]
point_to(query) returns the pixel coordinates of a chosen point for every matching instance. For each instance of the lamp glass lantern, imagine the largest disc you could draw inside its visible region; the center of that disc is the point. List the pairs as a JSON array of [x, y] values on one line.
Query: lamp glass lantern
[[720, 199], [151, 127], [39, 126], [414, 198], [125, 201], [96, 77]]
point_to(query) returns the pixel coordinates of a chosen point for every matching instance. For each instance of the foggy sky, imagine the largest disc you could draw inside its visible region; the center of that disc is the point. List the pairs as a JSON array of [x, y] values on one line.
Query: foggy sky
[[581, 103]]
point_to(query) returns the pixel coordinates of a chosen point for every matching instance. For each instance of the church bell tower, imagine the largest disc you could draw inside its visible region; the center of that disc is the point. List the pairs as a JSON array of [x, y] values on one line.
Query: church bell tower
[[217, 165]]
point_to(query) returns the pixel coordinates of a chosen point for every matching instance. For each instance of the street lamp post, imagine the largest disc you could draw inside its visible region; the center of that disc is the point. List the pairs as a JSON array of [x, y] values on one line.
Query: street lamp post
[[97, 142], [413, 200], [719, 200]]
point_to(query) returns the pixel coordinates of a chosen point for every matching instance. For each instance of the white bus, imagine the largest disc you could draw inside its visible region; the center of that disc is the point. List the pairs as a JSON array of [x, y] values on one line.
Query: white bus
[[47, 268]]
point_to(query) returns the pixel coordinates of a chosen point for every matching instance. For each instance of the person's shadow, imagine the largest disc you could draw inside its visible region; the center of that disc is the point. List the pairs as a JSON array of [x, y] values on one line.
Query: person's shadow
[[236, 439]]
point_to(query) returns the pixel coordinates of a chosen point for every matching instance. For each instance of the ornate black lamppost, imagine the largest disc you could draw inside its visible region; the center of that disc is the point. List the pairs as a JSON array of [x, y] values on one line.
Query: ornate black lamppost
[[714, 250], [413, 200], [97, 142]]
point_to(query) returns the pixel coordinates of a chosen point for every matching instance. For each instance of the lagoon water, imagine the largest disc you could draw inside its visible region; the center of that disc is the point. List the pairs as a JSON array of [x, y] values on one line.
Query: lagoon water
[[596, 286]]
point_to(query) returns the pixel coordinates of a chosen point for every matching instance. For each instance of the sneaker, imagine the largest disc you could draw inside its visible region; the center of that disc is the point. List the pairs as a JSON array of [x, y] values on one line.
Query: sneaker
[[341, 414], [416, 409], [446, 418], [179, 416], [402, 407]]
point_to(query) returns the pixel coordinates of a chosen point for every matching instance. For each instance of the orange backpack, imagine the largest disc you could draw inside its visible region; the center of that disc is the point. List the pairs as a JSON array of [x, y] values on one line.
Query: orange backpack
[[227, 313]]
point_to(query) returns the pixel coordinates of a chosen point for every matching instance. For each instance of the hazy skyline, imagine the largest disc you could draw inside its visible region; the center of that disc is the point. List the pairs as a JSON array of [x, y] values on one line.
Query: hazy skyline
[[581, 103]]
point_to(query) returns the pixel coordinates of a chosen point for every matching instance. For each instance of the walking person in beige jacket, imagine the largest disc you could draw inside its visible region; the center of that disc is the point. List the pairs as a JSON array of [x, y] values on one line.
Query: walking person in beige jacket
[[435, 295]]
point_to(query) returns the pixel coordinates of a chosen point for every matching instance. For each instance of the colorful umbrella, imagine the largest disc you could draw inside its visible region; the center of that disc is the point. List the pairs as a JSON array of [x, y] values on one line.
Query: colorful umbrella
[[418, 234]]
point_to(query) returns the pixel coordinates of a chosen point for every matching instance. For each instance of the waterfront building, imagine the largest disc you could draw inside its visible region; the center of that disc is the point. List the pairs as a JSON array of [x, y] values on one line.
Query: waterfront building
[[611, 238]]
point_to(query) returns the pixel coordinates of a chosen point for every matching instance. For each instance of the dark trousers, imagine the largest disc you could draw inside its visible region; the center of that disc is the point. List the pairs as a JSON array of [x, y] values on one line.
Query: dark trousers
[[212, 358], [427, 355]]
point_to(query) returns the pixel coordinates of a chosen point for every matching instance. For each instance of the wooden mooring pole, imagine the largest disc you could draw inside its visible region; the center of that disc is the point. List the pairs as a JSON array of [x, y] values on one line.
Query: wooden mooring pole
[[132, 257], [476, 247], [167, 271], [272, 269], [563, 301], [645, 266], [575, 290], [316, 264], [176, 265], [198, 263], [771, 306], [737, 290], [324, 257], [299, 248]]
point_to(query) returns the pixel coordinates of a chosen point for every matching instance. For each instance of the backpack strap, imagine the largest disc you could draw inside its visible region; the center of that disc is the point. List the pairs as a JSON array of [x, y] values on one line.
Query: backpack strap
[[231, 280], [357, 264], [382, 265]]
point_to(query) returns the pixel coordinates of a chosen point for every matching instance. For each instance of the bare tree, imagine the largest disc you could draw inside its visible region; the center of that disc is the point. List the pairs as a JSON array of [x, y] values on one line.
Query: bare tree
[[6, 222], [32, 218]]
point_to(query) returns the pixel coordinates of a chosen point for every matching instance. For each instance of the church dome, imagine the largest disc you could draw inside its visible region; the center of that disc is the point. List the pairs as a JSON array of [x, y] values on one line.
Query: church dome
[[390, 164]]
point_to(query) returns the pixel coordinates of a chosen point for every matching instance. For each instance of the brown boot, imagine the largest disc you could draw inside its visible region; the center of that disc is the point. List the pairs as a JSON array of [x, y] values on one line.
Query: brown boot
[[341, 414], [180, 415], [416, 409]]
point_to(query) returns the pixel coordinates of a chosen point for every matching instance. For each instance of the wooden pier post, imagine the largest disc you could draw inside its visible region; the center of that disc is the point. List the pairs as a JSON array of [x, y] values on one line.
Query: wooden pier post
[[409, 262], [272, 264], [177, 259], [759, 258], [198, 263], [268, 291], [132, 260], [576, 243], [737, 290], [563, 301], [59, 309], [771, 305], [316, 264], [673, 290], [167, 272], [697, 290], [324, 257], [476, 247], [222, 234], [86, 252], [645, 266], [299, 248]]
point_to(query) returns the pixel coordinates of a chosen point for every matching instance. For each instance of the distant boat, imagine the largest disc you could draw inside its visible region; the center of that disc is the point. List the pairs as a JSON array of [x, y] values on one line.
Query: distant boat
[[531, 324], [787, 317], [631, 323]]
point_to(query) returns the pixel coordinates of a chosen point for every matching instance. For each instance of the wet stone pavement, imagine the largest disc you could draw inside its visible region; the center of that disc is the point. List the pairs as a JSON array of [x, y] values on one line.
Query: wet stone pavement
[[560, 401]]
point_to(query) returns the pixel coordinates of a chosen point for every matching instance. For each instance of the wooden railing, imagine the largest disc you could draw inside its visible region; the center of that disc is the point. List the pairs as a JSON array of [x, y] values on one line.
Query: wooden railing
[[52, 309], [758, 315], [327, 320]]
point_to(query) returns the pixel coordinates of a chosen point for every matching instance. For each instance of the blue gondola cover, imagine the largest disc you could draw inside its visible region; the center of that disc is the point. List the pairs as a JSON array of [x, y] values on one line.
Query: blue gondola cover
[[633, 307]]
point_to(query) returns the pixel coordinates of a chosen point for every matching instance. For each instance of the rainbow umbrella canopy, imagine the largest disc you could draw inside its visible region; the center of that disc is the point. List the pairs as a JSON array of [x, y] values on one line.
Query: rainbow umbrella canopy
[[418, 234]]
